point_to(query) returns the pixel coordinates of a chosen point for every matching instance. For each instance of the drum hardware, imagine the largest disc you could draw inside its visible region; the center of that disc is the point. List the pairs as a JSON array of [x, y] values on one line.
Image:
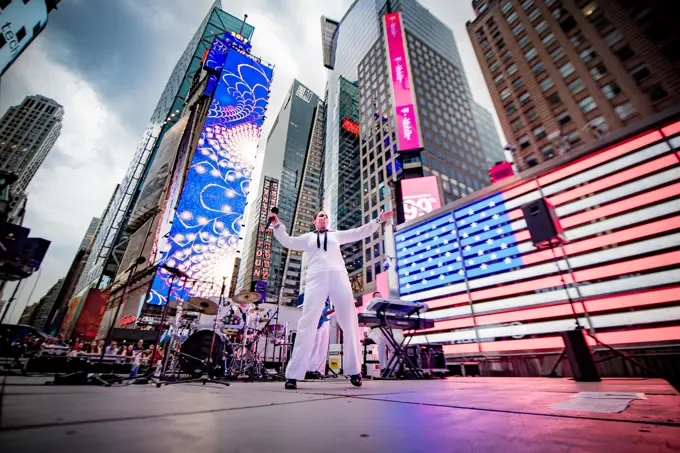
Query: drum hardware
[[207, 371], [246, 297]]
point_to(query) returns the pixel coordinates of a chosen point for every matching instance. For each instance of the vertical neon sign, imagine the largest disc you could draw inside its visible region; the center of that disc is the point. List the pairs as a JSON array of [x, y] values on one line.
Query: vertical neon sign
[[408, 132]]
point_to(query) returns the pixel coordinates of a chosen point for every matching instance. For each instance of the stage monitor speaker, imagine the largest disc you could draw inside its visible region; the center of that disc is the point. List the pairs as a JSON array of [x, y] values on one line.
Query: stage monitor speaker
[[580, 358], [544, 226]]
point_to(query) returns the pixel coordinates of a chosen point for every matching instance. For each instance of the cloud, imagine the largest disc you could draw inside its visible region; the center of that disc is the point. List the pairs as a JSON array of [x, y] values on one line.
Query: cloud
[[81, 171]]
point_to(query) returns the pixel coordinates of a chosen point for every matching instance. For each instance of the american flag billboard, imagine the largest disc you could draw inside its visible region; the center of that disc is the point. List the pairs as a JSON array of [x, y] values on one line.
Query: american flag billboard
[[490, 290]]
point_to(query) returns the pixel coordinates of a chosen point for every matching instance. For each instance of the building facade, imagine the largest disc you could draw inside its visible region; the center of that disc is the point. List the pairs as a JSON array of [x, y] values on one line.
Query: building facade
[[112, 237], [286, 155], [308, 203], [562, 72], [44, 306], [489, 139], [27, 133], [356, 52]]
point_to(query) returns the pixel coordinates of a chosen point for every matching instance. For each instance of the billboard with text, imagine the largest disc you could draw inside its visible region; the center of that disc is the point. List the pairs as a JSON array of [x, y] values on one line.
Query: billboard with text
[[421, 196], [403, 96]]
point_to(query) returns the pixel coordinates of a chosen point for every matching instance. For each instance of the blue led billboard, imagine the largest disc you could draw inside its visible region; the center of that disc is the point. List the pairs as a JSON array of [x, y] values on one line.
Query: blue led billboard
[[204, 235]]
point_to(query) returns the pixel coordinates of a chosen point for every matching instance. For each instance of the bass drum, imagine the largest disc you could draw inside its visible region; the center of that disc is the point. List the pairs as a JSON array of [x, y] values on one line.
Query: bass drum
[[196, 349]]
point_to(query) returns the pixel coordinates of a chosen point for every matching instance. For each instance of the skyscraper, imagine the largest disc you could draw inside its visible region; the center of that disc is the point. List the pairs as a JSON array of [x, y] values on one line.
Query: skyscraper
[[309, 202], [286, 154], [562, 73], [27, 133], [89, 234], [488, 136], [354, 50], [112, 238]]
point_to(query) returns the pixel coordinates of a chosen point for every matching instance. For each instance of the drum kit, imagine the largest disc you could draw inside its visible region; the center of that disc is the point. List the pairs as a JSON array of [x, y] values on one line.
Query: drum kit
[[235, 346]]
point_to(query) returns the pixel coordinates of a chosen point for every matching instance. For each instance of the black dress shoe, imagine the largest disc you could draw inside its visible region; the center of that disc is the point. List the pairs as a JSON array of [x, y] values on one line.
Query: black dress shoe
[[356, 380], [291, 384]]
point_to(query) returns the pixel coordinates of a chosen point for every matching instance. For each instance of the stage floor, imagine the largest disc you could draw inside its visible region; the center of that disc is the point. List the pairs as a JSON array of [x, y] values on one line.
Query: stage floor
[[454, 415]]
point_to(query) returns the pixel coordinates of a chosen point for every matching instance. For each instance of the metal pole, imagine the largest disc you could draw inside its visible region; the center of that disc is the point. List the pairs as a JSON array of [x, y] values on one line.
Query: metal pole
[[109, 334], [11, 299], [160, 327]]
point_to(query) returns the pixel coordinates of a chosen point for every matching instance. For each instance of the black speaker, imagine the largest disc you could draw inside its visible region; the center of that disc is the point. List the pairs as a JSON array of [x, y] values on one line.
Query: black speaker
[[544, 226], [33, 252], [12, 237], [580, 358]]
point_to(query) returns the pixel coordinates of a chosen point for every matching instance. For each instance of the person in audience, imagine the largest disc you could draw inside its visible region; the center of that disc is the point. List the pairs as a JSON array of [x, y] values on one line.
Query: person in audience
[[139, 346], [112, 349]]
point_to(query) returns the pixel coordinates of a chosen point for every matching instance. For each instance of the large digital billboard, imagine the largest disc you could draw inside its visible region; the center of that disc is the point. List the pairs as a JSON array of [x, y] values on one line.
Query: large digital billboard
[[489, 289], [408, 132], [21, 23], [420, 196], [203, 239], [263, 248]]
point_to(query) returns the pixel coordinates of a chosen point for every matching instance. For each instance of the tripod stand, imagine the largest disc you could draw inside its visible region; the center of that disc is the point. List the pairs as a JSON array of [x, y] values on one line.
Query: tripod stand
[[590, 333], [207, 375]]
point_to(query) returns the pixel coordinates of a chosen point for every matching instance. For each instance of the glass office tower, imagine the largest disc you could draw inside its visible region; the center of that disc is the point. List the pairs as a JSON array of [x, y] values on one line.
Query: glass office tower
[[112, 237], [354, 51]]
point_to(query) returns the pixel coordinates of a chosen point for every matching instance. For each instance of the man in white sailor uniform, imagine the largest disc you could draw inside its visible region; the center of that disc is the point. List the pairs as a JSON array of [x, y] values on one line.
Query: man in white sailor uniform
[[326, 277]]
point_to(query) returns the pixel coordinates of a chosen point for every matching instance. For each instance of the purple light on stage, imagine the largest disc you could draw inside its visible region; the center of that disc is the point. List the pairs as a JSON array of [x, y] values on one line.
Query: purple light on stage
[[203, 239], [408, 133]]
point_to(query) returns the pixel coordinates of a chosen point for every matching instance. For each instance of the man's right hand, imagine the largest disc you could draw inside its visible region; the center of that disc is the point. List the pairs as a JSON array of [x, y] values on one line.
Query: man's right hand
[[273, 220]]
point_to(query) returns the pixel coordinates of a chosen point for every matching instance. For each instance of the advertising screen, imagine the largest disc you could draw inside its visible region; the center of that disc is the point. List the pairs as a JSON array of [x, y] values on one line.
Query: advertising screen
[[408, 133], [421, 196], [21, 22], [203, 238], [489, 289], [263, 249]]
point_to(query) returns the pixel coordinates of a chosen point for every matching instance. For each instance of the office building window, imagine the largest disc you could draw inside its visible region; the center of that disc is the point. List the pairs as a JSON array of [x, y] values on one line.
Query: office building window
[[546, 84], [541, 27], [587, 104], [588, 55], [657, 93], [640, 73], [549, 39], [539, 132], [530, 54], [499, 79], [563, 118], [531, 114], [613, 37], [599, 71], [534, 14], [512, 18], [548, 152], [517, 125], [511, 69], [506, 56], [625, 111], [505, 94], [566, 70], [524, 98], [517, 29], [506, 8], [557, 54], [625, 53], [524, 41], [517, 83], [510, 108], [554, 99], [524, 141], [611, 90], [538, 68], [576, 86], [531, 161]]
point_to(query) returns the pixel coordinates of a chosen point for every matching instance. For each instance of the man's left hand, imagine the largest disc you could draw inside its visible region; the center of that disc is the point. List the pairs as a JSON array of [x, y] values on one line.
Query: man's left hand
[[385, 216]]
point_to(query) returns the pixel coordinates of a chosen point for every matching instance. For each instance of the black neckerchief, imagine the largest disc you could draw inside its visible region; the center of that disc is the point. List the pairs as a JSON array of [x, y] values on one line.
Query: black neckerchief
[[325, 239]]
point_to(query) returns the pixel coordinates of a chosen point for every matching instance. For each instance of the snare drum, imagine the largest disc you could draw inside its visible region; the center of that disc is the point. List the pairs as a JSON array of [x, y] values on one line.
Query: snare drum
[[276, 329]]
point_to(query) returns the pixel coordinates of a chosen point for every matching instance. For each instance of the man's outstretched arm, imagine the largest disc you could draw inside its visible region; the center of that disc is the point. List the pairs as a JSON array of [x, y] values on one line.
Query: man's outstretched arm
[[291, 243], [364, 231]]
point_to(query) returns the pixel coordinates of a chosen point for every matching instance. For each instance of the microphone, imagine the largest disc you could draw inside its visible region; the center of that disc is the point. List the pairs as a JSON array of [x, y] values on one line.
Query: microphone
[[274, 210]]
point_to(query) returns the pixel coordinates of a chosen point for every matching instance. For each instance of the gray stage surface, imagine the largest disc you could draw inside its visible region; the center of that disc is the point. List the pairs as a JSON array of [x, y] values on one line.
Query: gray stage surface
[[454, 415]]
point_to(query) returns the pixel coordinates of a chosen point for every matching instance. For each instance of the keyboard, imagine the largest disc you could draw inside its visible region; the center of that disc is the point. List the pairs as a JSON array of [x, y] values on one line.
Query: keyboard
[[396, 307], [394, 322]]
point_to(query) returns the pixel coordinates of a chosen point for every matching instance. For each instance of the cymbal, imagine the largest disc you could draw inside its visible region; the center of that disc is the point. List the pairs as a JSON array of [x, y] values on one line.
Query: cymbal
[[203, 305], [247, 297], [255, 310]]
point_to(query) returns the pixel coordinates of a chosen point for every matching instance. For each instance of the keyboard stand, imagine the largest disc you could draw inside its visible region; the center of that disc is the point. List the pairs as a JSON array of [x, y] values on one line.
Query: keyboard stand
[[399, 358]]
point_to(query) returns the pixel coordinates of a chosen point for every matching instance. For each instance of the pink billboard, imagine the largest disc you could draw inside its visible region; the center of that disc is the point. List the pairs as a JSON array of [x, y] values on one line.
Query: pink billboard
[[421, 196], [402, 93]]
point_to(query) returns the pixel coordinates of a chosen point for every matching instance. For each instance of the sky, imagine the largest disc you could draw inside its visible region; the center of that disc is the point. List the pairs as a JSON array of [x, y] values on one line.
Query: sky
[[107, 63]]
